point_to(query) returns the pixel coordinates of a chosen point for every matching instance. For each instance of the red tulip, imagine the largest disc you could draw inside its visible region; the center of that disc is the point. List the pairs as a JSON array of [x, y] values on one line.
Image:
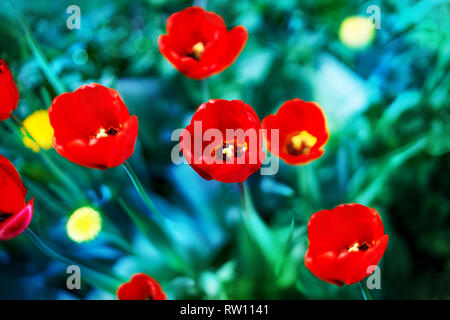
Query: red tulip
[[15, 215], [93, 127], [141, 287], [9, 94], [344, 242], [302, 131], [213, 153], [198, 43]]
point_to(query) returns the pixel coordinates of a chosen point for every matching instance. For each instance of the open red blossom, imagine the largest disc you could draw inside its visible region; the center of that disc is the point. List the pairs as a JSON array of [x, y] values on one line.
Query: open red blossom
[[302, 132], [198, 43], [141, 287], [344, 242], [223, 141], [9, 94], [15, 215], [93, 127]]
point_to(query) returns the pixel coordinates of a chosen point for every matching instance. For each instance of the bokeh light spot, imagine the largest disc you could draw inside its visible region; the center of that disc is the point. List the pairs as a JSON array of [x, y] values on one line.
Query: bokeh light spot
[[357, 32], [80, 56]]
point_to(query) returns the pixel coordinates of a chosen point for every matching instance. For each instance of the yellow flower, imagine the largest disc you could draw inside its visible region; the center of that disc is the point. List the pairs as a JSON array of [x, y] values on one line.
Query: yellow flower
[[357, 31], [38, 126], [84, 224]]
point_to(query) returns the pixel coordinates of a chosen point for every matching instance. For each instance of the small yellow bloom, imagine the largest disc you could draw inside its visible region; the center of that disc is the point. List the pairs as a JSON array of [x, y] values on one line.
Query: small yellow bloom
[[84, 224], [357, 31], [38, 126]]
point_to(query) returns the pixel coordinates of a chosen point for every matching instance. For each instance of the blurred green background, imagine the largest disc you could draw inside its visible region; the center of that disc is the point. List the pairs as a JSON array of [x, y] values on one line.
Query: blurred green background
[[387, 106]]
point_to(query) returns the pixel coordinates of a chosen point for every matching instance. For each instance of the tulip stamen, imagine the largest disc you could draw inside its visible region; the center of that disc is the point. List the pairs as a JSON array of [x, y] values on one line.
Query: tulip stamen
[[197, 51], [230, 150], [103, 133], [355, 247], [301, 143]]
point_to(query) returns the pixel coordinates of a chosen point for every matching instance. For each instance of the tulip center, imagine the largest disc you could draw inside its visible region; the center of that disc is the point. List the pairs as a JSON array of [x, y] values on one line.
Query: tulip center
[[103, 133], [229, 150], [355, 247], [197, 51], [4, 216], [301, 143]]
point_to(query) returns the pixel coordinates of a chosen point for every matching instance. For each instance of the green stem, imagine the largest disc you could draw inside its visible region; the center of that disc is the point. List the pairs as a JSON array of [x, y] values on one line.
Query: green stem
[[45, 249], [247, 205], [393, 161], [142, 193], [161, 222], [255, 226], [175, 258], [61, 175], [205, 90], [150, 205], [18, 122], [92, 276], [365, 292], [307, 183], [246, 199], [119, 242]]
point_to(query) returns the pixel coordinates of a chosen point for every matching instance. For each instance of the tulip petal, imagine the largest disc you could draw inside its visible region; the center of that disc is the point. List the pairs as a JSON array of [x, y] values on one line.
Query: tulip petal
[[16, 224], [78, 117], [9, 93], [223, 115], [141, 287], [293, 117], [192, 26], [332, 233], [13, 192], [124, 143]]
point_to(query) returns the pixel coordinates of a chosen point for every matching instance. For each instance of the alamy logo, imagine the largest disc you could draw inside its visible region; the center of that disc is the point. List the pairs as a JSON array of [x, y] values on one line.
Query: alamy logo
[[374, 280], [375, 13], [234, 146], [74, 280], [74, 20]]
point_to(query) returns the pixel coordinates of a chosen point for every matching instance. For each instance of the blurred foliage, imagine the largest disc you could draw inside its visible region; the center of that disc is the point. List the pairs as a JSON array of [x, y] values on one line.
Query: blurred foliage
[[388, 112]]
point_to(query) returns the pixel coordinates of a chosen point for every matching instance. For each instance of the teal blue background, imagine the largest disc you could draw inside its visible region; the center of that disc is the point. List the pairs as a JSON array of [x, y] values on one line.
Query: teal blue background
[[388, 113]]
